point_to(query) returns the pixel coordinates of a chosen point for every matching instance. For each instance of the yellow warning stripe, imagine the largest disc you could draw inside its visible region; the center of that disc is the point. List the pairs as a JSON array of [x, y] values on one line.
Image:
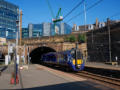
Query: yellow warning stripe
[[79, 61]]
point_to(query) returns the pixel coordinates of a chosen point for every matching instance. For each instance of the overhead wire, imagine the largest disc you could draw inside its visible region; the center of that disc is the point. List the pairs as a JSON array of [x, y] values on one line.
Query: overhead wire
[[93, 5], [73, 9], [112, 16], [51, 10], [57, 4], [117, 14]]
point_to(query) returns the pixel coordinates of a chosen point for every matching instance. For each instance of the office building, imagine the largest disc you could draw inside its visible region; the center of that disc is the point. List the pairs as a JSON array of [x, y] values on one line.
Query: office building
[[35, 30], [8, 17], [25, 33], [47, 29]]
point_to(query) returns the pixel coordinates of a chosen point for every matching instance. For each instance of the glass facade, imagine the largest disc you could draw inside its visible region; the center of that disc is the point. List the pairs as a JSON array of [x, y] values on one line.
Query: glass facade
[[47, 29], [8, 18], [52, 29], [25, 33], [60, 29], [67, 29], [35, 30]]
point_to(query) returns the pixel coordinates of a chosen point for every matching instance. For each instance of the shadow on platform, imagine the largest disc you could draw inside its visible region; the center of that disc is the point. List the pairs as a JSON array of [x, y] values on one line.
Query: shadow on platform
[[72, 86], [3, 68]]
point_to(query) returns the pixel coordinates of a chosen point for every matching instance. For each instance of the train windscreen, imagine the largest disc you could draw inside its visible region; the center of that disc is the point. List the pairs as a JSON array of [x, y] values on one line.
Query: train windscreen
[[79, 55]]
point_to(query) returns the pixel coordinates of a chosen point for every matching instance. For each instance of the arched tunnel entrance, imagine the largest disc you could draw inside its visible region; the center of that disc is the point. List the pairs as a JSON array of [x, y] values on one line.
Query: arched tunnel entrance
[[2, 58], [36, 54]]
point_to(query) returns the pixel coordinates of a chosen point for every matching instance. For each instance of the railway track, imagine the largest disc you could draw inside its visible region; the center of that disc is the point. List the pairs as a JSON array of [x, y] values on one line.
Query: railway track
[[98, 77], [104, 79]]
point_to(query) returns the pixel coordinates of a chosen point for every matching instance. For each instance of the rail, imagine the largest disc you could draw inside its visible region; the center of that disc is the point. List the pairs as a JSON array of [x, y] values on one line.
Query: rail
[[109, 80]]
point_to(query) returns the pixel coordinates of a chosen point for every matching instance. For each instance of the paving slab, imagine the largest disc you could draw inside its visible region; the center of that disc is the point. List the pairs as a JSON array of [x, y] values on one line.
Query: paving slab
[[39, 77]]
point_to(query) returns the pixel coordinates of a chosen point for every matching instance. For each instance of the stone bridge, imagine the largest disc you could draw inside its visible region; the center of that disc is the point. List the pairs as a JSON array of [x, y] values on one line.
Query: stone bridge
[[35, 50]]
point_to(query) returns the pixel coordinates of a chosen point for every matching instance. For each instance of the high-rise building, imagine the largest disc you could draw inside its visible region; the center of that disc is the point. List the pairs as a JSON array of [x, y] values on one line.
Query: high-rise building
[[67, 29], [47, 29], [8, 17], [30, 28], [35, 30], [62, 29], [25, 33]]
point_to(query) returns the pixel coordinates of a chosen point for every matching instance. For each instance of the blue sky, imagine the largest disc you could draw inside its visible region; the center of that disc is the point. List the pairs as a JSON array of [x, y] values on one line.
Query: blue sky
[[37, 11]]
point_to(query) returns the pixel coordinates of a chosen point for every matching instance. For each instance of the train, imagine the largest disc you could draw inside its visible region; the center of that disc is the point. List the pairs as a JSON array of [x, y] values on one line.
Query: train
[[65, 59]]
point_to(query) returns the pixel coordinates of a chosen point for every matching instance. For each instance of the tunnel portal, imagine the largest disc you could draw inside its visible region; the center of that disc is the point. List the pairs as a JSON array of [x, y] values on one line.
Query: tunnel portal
[[2, 58], [36, 54]]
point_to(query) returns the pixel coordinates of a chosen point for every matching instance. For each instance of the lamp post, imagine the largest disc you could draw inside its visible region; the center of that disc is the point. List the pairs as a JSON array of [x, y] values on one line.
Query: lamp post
[[85, 19], [108, 23], [16, 51]]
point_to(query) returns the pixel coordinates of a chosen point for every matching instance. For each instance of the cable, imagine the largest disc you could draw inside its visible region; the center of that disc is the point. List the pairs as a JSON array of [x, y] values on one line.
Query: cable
[[96, 3], [73, 9], [50, 8], [112, 16], [117, 14], [57, 4]]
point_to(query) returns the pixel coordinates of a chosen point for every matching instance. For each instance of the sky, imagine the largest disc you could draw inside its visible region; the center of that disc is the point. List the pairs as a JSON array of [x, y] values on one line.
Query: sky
[[37, 11]]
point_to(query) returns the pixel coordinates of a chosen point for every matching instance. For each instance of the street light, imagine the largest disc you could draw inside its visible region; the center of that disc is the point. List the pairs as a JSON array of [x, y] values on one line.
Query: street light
[[15, 51], [109, 33]]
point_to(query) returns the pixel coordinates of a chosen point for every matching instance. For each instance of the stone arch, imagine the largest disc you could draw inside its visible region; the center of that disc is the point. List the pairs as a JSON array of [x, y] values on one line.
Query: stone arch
[[35, 54], [2, 57]]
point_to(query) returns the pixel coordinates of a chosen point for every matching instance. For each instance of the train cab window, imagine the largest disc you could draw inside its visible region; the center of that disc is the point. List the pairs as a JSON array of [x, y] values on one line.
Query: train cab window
[[79, 55]]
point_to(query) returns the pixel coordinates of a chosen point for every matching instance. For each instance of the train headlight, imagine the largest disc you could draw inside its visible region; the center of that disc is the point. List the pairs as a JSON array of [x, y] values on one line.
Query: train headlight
[[78, 66]]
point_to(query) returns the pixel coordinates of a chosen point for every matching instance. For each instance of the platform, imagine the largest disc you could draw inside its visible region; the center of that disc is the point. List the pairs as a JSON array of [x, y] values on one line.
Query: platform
[[102, 66], [44, 78]]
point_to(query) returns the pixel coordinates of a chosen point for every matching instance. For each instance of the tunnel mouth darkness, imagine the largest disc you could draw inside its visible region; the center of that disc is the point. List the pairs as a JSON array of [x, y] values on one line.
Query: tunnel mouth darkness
[[2, 58], [36, 54]]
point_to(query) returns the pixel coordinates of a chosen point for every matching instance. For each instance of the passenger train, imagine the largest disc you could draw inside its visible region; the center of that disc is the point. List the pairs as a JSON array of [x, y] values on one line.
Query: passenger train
[[66, 59]]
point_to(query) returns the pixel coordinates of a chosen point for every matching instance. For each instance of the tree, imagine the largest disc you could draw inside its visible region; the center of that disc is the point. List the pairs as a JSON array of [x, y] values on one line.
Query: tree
[[72, 38], [81, 38]]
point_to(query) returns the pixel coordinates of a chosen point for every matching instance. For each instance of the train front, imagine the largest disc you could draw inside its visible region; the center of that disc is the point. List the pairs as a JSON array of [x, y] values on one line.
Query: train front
[[77, 61]]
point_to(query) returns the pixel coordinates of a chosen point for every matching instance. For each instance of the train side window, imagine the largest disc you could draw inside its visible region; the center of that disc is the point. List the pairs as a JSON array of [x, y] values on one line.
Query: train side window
[[58, 57], [73, 55], [65, 57]]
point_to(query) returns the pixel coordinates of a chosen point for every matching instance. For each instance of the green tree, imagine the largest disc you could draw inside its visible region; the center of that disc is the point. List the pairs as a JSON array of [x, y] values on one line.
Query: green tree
[[72, 38], [81, 38]]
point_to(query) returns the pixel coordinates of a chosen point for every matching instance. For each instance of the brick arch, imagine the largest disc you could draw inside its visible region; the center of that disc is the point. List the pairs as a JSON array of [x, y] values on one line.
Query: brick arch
[[56, 46], [32, 49], [36, 53]]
